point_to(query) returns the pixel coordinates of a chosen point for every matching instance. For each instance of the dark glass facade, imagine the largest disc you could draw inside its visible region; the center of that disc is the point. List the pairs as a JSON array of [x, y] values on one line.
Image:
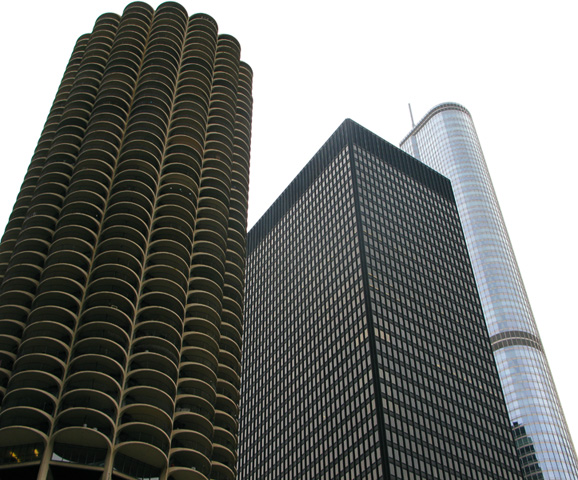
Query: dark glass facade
[[365, 349]]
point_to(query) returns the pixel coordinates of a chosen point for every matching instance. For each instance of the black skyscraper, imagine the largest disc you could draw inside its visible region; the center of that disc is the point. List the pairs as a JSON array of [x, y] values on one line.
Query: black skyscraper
[[366, 353]]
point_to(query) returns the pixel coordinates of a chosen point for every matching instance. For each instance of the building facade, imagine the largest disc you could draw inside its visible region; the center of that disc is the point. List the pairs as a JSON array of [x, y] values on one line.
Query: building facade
[[365, 349], [122, 265], [446, 140]]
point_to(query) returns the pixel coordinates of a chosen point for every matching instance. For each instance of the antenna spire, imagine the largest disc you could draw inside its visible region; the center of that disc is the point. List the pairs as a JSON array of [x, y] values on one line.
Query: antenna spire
[[411, 115]]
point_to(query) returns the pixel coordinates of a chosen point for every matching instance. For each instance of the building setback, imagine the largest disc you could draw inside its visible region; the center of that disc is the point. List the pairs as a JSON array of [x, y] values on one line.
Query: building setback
[[365, 349], [122, 265], [446, 140]]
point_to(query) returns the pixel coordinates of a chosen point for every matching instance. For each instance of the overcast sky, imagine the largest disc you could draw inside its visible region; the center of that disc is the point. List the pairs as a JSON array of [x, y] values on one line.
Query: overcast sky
[[511, 63]]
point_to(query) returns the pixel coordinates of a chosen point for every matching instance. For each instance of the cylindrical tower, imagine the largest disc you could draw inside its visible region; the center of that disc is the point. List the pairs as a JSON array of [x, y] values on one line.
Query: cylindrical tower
[[123, 261], [446, 140]]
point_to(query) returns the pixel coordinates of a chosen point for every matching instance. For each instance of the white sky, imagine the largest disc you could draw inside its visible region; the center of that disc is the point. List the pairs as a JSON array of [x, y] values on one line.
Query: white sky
[[511, 63]]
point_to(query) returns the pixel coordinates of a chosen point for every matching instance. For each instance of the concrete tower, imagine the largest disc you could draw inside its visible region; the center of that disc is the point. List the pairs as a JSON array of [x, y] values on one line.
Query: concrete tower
[[122, 265]]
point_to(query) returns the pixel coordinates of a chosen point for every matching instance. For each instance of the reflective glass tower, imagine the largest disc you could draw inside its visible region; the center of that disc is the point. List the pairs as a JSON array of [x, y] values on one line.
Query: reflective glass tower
[[365, 354], [446, 140], [122, 265]]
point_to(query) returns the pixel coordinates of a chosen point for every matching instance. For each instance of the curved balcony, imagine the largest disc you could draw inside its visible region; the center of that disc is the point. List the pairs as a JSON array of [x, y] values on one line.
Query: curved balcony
[[44, 345], [22, 416], [204, 337], [161, 232], [112, 300], [176, 199], [204, 249], [35, 380], [153, 361], [213, 228], [106, 317], [65, 256], [71, 245], [93, 381], [129, 196], [17, 298], [223, 464], [169, 259], [210, 197], [162, 314], [208, 266], [30, 397], [200, 315], [188, 464], [39, 362], [111, 270], [158, 345], [143, 417], [234, 321], [198, 370], [133, 189], [228, 362], [127, 218], [229, 375], [19, 284], [157, 329], [85, 423], [150, 112], [196, 354], [109, 285], [32, 272], [231, 347], [119, 257], [47, 336], [13, 318], [87, 417], [218, 220], [196, 401], [99, 346], [151, 378], [227, 397], [171, 247], [10, 339], [93, 173], [141, 177], [203, 393], [55, 287], [192, 151], [200, 297], [127, 245], [237, 244], [227, 440], [66, 270], [22, 444], [228, 421], [130, 211], [162, 299], [47, 207], [97, 363], [165, 285], [203, 235], [193, 427]]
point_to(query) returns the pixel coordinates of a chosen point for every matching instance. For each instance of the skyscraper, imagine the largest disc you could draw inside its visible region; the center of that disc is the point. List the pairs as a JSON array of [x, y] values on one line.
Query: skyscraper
[[122, 265], [365, 349], [446, 140]]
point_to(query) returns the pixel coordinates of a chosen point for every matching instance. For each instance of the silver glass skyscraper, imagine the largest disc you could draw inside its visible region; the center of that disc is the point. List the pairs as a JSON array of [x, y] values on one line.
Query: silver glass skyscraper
[[446, 140]]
